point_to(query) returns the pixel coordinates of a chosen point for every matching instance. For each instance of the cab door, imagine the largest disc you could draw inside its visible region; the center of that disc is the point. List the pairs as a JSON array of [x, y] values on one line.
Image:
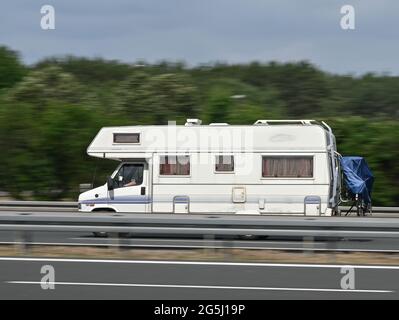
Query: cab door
[[130, 188]]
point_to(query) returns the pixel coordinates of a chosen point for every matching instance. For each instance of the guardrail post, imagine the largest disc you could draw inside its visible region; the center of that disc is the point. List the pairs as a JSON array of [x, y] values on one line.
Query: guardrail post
[[332, 250], [118, 240], [26, 238], [209, 244], [123, 240], [228, 249], [308, 245], [112, 241]]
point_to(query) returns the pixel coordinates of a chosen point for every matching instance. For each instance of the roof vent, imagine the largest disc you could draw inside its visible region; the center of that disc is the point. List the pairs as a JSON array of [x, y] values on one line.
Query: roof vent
[[193, 122]]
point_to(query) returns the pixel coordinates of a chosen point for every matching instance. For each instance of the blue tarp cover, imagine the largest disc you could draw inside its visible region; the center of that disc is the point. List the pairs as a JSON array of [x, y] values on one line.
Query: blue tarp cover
[[358, 177]]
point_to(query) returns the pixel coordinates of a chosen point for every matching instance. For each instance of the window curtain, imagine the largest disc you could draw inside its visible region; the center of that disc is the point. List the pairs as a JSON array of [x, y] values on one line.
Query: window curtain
[[224, 163], [175, 165], [289, 167]]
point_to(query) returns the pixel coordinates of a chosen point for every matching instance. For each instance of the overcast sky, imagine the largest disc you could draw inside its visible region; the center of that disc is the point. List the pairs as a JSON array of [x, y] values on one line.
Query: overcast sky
[[201, 31]]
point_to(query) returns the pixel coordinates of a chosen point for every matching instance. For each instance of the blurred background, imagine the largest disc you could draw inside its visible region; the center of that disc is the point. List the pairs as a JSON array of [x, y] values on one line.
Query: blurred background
[[136, 62]]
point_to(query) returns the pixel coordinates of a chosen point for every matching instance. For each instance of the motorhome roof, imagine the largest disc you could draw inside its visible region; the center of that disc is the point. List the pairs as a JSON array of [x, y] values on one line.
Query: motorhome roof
[[265, 136]]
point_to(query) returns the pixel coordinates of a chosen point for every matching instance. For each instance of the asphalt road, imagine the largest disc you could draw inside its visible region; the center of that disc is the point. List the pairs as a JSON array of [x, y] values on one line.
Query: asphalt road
[[20, 278]]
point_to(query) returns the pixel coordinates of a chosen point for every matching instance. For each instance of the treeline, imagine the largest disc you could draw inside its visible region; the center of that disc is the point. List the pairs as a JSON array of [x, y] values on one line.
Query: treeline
[[49, 112]]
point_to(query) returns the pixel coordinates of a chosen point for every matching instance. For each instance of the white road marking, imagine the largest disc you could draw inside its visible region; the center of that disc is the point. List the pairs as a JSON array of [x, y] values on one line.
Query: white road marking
[[189, 286], [200, 263]]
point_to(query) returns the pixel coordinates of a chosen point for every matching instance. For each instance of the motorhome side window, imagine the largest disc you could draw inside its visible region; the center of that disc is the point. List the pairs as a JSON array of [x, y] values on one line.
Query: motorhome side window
[[174, 165], [126, 137], [287, 167], [224, 163], [129, 175]]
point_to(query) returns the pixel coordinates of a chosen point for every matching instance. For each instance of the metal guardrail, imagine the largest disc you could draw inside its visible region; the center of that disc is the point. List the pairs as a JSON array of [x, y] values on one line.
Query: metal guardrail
[[74, 204], [378, 209], [43, 204], [211, 225]]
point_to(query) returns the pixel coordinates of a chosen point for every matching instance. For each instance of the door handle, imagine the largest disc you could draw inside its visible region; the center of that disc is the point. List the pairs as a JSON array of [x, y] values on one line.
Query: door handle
[[142, 191]]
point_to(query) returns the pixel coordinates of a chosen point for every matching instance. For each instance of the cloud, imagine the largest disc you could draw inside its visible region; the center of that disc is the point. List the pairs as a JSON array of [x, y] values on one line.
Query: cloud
[[200, 31]]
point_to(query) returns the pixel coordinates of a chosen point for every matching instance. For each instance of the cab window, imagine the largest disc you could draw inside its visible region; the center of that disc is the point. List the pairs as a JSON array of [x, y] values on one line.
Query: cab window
[[129, 175]]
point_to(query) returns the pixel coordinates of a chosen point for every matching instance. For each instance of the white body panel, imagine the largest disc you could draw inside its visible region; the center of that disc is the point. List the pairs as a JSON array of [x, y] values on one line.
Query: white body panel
[[206, 191]]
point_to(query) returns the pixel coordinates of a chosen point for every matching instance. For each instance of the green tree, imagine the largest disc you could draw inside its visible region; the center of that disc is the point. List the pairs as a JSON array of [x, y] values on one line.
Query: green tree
[[11, 69], [217, 107], [20, 162], [157, 99], [96, 70], [235, 102], [44, 152], [377, 142], [41, 86]]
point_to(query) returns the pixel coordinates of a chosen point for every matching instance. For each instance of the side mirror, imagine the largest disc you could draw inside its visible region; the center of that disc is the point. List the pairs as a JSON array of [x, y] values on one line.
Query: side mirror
[[110, 184]]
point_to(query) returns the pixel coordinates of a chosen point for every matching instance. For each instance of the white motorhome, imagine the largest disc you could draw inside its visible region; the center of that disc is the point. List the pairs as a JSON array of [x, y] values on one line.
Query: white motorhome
[[271, 167]]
